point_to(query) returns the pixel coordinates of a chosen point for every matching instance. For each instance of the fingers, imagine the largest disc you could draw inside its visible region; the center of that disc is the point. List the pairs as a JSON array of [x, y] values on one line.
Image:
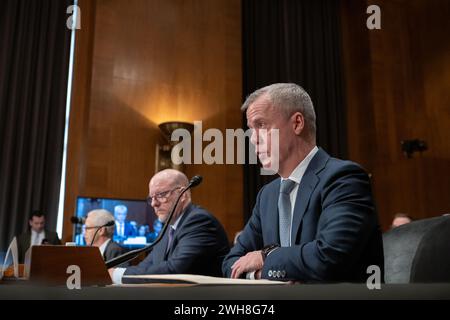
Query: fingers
[[252, 261], [236, 273], [236, 269]]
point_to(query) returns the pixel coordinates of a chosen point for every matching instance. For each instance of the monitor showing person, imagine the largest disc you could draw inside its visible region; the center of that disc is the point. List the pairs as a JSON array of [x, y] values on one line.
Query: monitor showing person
[[124, 228]]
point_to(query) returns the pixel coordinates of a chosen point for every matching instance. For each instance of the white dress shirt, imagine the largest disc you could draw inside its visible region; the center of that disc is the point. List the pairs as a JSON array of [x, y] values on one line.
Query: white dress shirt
[[120, 226], [102, 248], [297, 176], [36, 238]]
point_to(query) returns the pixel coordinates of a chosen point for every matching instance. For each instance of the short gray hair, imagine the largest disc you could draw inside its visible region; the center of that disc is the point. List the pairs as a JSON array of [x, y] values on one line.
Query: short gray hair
[[100, 217], [289, 97]]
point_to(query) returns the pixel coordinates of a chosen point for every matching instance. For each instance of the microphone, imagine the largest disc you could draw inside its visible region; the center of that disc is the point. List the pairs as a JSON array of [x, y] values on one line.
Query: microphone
[[195, 181], [108, 224], [77, 220]]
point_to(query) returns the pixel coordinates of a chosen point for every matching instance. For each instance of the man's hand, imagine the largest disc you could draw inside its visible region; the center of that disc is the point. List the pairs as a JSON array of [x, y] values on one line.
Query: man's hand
[[252, 261], [111, 271]]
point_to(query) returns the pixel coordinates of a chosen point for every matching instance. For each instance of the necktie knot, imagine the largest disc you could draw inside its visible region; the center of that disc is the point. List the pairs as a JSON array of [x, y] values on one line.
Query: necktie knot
[[287, 186]]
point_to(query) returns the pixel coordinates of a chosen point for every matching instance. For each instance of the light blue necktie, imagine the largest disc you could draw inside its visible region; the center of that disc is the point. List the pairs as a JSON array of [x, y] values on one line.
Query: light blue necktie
[[284, 212]]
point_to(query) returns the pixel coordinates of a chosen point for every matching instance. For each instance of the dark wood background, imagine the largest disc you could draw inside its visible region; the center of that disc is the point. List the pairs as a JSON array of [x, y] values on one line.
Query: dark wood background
[[397, 88], [142, 62], [139, 63]]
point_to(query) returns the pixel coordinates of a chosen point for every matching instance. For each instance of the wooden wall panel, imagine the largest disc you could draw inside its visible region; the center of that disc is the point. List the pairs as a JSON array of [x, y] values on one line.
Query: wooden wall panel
[[156, 61], [398, 87]]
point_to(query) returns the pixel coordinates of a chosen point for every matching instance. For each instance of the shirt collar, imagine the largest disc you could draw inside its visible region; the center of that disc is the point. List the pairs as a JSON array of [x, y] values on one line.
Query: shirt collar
[[174, 226], [299, 171], [103, 246]]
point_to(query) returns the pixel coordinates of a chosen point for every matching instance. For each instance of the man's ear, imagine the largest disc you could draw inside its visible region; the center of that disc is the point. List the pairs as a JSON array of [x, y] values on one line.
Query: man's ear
[[298, 122], [30, 223]]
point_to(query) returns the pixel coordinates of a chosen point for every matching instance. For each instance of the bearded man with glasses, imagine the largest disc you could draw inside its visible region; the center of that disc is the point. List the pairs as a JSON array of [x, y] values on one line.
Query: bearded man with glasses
[[195, 241]]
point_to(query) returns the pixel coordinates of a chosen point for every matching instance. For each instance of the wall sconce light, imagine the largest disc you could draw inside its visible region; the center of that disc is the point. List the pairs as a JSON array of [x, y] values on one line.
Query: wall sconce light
[[164, 152]]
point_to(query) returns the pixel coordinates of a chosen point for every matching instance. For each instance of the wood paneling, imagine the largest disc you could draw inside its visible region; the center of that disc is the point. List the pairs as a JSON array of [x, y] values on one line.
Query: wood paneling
[[397, 88], [154, 61]]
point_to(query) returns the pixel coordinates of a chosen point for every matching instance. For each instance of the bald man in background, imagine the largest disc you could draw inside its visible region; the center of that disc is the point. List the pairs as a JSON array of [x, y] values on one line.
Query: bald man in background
[[195, 241]]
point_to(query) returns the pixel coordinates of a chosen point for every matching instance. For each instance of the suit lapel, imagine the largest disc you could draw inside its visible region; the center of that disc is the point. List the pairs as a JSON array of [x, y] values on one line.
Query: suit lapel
[[106, 252], [186, 213], [305, 190], [160, 249]]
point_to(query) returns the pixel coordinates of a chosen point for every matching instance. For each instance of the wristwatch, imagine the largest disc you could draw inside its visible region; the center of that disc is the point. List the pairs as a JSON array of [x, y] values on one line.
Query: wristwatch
[[268, 249]]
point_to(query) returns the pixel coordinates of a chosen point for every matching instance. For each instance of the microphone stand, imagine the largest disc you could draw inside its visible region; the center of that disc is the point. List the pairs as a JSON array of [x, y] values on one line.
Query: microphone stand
[[134, 253]]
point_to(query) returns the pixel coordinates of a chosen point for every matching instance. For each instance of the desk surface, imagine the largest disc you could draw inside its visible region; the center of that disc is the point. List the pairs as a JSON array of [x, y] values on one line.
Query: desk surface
[[231, 292]]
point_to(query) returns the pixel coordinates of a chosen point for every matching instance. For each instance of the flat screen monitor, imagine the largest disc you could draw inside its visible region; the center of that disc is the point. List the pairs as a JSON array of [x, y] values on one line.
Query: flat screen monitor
[[136, 222]]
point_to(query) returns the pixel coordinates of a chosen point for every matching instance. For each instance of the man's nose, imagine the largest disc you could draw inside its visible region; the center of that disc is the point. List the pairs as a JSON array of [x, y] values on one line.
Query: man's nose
[[254, 137], [155, 202]]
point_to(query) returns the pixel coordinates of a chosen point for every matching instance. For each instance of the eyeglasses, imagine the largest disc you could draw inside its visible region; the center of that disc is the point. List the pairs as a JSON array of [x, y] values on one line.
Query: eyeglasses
[[161, 197], [87, 228]]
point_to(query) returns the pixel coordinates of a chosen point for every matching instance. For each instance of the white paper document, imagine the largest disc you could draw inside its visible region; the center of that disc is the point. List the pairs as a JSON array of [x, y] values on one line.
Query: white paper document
[[197, 279]]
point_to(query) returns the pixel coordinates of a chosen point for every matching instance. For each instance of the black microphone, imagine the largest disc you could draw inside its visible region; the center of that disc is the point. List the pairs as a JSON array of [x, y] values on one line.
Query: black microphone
[[108, 224], [195, 181], [78, 220]]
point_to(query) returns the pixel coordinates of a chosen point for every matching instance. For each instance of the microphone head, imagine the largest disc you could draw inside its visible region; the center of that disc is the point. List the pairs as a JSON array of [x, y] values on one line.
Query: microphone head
[[77, 220], [109, 223], [195, 181]]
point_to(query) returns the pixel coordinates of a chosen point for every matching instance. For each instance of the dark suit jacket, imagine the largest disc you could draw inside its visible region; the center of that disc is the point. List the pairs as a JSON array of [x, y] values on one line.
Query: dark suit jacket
[[198, 247], [335, 231], [24, 240], [112, 250]]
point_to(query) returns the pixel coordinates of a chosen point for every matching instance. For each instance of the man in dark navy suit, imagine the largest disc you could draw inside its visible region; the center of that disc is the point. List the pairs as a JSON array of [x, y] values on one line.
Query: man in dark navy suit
[[317, 222], [195, 241]]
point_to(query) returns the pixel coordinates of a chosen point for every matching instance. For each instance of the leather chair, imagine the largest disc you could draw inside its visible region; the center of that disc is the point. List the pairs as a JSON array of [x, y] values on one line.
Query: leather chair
[[418, 252]]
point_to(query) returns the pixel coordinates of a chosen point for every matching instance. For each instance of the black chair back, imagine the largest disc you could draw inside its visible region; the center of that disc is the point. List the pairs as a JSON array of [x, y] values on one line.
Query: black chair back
[[418, 251]]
